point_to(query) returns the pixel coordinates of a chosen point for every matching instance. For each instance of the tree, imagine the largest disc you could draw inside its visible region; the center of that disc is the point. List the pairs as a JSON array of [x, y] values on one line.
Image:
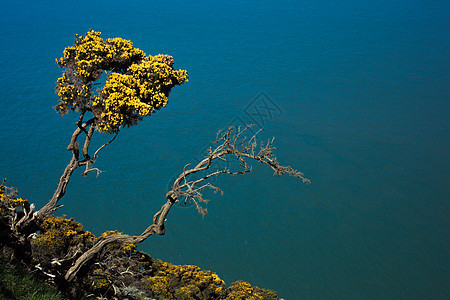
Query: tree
[[135, 85]]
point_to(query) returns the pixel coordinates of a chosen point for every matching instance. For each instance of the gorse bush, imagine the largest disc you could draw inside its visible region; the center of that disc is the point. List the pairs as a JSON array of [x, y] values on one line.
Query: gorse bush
[[184, 282], [58, 234], [136, 86]]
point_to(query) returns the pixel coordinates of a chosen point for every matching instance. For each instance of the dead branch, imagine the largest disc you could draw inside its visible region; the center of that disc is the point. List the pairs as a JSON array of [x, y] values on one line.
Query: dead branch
[[103, 146], [228, 144], [234, 144]]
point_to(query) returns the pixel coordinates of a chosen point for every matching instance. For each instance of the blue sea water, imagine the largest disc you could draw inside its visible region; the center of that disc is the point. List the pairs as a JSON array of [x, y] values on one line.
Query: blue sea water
[[355, 92]]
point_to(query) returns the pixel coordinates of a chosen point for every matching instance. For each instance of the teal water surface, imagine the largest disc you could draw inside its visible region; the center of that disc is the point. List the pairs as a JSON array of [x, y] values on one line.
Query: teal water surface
[[355, 92]]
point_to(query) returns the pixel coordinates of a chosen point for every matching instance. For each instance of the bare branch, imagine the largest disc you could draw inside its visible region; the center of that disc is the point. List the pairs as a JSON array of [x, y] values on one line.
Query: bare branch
[[90, 161], [229, 143], [74, 163], [191, 189], [50, 207], [103, 146], [89, 169]]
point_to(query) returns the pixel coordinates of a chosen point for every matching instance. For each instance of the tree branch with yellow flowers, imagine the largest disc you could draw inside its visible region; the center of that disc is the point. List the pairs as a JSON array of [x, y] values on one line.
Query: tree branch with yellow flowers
[[136, 86]]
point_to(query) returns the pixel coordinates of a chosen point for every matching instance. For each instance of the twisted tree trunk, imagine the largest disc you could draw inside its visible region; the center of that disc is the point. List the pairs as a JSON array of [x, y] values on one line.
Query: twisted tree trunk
[[50, 207], [74, 163]]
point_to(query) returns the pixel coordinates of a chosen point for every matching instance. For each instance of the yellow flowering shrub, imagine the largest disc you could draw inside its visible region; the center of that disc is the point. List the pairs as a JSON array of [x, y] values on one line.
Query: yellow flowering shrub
[[159, 285], [12, 202], [241, 290], [136, 85], [58, 234], [187, 292], [184, 282], [8, 200], [100, 281]]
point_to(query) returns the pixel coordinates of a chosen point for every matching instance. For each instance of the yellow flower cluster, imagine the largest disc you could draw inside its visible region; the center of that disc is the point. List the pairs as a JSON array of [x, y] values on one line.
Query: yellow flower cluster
[[108, 233], [86, 55], [100, 280], [14, 202], [241, 290], [159, 285], [118, 47], [71, 95], [184, 282], [114, 246], [9, 201], [137, 93], [136, 85], [91, 54], [129, 248], [58, 234]]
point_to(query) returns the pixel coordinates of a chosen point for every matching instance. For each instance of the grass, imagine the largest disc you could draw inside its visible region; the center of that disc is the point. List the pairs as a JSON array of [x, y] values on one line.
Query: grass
[[17, 283]]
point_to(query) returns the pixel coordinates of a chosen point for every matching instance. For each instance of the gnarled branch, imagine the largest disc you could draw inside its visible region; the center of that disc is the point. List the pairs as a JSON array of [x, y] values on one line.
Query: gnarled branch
[[228, 144], [74, 163]]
